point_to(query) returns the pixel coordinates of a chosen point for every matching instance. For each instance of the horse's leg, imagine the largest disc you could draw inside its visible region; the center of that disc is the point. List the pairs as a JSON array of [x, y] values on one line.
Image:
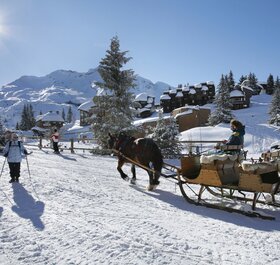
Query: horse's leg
[[119, 168], [151, 185], [133, 170]]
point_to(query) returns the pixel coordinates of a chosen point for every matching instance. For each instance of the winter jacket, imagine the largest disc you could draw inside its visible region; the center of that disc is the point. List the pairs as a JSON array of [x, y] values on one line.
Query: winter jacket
[[237, 137], [55, 137], [14, 150]]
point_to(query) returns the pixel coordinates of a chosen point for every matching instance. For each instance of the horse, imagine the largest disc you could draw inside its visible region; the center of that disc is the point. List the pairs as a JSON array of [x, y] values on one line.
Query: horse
[[144, 151]]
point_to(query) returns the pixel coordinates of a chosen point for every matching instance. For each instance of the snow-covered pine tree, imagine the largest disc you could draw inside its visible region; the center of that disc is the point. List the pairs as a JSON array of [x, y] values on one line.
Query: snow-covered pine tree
[[222, 112], [113, 105], [275, 104], [166, 136]]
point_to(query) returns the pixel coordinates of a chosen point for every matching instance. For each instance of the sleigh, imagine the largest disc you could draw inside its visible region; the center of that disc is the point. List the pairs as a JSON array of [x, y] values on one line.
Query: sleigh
[[223, 180]]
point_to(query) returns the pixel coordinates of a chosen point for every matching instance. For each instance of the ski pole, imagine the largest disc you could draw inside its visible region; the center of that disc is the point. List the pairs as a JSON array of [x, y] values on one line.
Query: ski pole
[[28, 168], [3, 167]]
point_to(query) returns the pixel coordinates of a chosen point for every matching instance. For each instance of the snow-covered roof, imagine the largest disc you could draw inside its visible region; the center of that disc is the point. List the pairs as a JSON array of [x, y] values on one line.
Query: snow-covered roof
[[164, 97], [204, 88], [141, 97], [192, 91], [236, 93], [247, 87], [197, 85], [179, 95], [86, 106], [186, 88], [148, 106], [173, 91], [143, 110], [39, 129], [210, 83], [187, 112], [50, 116]]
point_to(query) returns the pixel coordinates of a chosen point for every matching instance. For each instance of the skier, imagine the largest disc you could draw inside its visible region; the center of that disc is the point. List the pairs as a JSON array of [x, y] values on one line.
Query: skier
[[55, 139], [13, 151]]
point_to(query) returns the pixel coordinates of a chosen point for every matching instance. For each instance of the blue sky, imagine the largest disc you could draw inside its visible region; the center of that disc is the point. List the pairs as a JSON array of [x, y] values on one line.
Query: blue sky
[[173, 41]]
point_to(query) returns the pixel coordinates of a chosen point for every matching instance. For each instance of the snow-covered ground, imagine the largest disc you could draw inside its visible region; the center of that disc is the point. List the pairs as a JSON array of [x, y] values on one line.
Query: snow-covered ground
[[75, 209]]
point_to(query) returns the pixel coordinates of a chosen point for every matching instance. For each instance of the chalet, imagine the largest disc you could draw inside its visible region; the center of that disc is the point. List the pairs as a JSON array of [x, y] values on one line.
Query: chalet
[[191, 116], [47, 121], [86, 110], [144, 105], [238, 99]]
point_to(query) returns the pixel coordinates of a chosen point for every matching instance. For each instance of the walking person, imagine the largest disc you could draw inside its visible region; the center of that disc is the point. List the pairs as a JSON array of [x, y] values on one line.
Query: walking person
[[13, 150], [55, 140]]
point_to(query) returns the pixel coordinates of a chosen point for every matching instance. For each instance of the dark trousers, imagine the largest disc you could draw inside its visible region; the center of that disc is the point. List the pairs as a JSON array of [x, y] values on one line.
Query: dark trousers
[[14, 170], [55, 147]]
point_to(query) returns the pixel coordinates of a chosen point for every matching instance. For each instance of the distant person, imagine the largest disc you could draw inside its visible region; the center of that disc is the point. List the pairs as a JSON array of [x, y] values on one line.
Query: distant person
[[13, 151], [55, 140]]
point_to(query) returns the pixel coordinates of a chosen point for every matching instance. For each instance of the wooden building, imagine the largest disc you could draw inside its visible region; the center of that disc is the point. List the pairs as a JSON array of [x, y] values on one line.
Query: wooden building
[[191, 116], [199, 94]]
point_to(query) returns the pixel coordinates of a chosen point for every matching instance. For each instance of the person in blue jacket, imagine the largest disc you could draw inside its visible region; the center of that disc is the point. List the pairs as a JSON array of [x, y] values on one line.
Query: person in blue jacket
[[13, 150], [238, 132]]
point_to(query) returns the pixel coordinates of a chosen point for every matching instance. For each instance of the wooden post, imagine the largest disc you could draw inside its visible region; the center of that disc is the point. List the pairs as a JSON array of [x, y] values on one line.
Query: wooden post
[[40, 142], [72, 146]]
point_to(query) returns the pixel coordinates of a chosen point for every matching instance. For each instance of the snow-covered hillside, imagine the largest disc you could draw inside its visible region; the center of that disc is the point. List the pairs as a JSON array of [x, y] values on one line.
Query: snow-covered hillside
[[57, 91]]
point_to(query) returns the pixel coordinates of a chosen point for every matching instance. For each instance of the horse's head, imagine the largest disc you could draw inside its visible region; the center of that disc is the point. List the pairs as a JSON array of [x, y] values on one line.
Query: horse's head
[[114, 142]]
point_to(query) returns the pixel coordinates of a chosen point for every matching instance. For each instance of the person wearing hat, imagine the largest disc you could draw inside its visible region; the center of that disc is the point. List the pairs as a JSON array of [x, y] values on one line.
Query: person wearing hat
[[13, 151]]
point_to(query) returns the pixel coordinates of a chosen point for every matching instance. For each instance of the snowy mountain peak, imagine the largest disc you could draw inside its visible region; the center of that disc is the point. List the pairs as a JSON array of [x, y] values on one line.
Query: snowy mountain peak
[[57, 91]]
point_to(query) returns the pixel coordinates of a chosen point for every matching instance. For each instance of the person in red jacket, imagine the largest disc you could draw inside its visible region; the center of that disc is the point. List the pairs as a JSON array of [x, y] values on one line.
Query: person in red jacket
[[55, 140]]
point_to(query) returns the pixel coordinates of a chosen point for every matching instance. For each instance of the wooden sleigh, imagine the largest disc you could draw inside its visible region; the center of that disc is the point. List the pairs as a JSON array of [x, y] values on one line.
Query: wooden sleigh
[[230, 178]]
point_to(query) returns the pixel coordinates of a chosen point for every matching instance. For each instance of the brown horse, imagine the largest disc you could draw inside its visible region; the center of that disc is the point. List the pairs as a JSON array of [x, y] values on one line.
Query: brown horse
[[143, 151]]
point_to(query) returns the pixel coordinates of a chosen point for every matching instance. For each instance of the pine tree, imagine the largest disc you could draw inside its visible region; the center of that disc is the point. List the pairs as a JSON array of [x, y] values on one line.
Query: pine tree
[[69, 115], [253, 83], [166, 136], [27, 118], [113, 106], [2, 127], [231, 82], [275, 104], [270, 83], [242, 78], [63, 114], [222, 112]]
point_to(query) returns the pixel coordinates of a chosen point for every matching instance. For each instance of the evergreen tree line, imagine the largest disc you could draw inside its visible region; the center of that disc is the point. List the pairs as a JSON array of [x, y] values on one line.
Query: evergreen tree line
[[223, 113]]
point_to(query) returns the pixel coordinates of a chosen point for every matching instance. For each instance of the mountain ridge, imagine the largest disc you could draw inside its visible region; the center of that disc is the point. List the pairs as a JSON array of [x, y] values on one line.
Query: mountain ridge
[[57, 91]]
